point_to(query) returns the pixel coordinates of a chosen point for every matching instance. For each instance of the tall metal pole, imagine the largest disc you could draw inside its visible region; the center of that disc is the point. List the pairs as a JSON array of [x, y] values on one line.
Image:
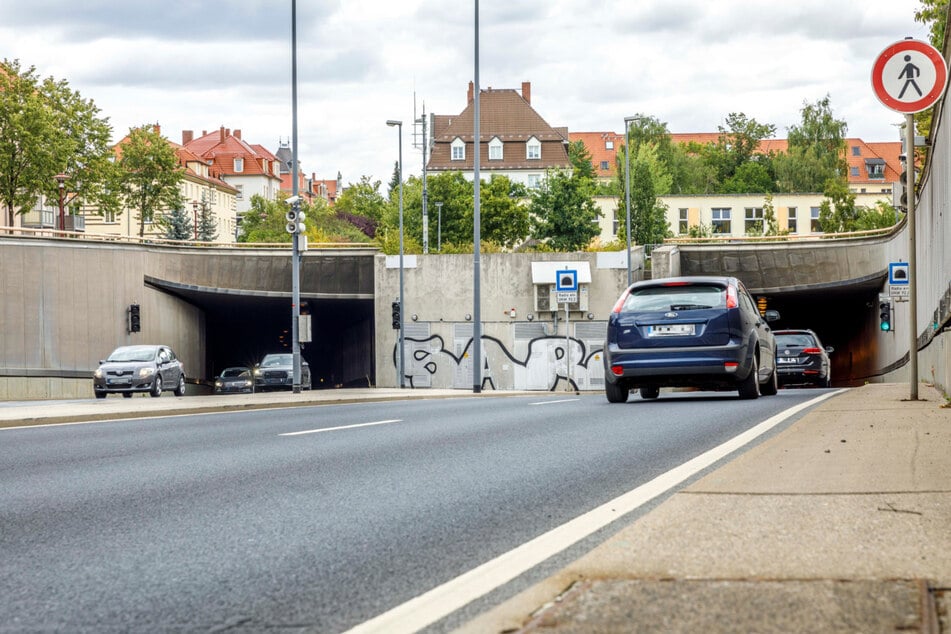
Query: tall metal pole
[[439, 227], [912, 258], [400, 338], [627, 191], [476, 230], [425, 195], [295, 237]]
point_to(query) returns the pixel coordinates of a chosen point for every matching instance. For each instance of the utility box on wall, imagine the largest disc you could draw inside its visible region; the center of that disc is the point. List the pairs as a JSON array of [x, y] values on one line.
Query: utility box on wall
[[544, 282]]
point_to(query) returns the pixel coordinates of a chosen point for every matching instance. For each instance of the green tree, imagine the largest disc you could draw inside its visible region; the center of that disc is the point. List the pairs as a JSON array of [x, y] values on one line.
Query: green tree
[[150, 174], [933, 14], [177, 224], [265, 221], [563, 212], [46, 129], [394, 179], [580, 159], [362, 199], [750, 178], [648, 215], [207, 224], [505, 219], [881, 216], [837, 211], [816, 150], [737, 144]]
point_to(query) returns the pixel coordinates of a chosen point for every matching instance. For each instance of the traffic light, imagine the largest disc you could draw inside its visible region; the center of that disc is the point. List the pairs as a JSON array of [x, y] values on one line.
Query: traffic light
[[396, 315], [135, 322], [885, 315]]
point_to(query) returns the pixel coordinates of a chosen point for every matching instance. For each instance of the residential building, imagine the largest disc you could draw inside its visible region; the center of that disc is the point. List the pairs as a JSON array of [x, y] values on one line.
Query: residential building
[[250, 169], [307, 188], [515, 140]]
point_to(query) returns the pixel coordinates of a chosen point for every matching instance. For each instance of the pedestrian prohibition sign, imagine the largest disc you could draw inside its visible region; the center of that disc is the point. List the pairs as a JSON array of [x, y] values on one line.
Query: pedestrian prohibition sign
[[909, 76]]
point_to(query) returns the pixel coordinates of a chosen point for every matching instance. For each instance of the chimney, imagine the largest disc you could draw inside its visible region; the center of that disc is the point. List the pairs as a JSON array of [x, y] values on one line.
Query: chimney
[[471, 94], [157, 129], [221, 134], [237, 134], [187, 137], [527, 91]]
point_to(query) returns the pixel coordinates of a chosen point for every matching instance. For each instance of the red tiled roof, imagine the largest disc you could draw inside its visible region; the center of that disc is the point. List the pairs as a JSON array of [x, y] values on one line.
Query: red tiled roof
[[504, 114]]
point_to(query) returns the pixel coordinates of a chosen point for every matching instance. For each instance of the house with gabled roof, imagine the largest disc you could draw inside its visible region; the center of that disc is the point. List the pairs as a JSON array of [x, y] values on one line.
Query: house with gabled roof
[[515, 140], [250, 169]]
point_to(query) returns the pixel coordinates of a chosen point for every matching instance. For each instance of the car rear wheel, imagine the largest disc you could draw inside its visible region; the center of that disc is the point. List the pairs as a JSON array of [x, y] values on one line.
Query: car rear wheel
[[649, 392], [615, 393], [157, 387], [100, 395], [127, 395], [749, 388], [180, 390]]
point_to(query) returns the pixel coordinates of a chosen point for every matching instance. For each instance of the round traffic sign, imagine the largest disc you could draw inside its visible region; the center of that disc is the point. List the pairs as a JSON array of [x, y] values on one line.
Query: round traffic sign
[[909, 76]]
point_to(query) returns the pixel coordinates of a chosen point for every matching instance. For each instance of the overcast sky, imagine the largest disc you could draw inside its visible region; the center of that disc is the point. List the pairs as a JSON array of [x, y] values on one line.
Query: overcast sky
[[200, 64]]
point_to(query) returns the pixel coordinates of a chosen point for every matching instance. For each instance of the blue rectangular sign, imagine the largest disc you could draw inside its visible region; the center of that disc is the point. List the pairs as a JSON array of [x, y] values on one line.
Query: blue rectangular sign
[[898, 273], [566, 280]]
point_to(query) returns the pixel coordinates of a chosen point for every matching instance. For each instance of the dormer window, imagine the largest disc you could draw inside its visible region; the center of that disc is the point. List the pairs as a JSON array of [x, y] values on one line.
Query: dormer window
[[875, 168], [495, 149], [609, 145], [533, 149], [458, 149], [239, 165]]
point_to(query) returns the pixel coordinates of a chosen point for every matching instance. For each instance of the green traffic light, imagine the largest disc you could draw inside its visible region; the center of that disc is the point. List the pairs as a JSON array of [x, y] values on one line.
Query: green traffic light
[[886, 326]]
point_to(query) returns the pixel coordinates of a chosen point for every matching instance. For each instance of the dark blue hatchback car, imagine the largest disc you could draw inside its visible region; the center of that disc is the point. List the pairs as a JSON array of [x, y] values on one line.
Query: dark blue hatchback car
[[701, 332]]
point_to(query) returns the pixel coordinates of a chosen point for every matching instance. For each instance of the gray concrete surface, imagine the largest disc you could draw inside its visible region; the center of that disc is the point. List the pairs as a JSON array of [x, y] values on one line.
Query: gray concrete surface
[[841, 523]]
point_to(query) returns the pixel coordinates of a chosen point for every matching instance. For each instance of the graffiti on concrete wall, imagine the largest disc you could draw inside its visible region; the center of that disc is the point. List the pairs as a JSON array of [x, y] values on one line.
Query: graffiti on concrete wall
[[538, 363]]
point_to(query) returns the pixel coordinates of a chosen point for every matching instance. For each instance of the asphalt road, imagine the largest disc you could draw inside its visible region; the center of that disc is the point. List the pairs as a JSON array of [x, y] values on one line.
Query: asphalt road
[[240, 522]]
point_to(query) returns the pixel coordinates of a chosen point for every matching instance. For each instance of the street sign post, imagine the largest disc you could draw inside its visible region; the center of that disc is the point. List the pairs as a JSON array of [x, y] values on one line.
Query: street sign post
[[566, 292], [910, 76]]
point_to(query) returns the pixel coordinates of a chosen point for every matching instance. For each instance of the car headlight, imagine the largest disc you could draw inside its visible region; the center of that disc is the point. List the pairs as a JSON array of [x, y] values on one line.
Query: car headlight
[[144, 372], [217, 383], [258, 371], [247, 383], [98, 373]]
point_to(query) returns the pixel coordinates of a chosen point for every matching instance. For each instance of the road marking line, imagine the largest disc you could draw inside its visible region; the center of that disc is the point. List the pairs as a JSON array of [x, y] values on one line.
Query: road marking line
[[429, 607], [563, 400], [317, 431]]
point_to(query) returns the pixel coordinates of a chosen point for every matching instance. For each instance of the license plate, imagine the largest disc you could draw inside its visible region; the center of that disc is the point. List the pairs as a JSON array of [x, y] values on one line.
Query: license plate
[[672, 330], [788, 359], [119, 381]]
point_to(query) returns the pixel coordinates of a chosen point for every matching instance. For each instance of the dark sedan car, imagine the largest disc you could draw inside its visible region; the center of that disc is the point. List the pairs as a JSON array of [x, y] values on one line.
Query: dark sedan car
[[277, 371], [131, 369], [701, 332], [234, 381], [801, 359]]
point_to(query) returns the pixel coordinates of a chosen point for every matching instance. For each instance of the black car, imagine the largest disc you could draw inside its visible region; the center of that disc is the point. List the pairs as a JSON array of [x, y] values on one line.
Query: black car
[[801, 359], [700, 332], [131, 369], [234, 381], [277, 371]]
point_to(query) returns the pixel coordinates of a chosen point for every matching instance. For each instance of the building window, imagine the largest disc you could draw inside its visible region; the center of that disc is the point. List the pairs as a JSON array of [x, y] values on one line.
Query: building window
[[240, 194], [856, 150], [754, 220], [604, 166], [533, 149], [458, 150], [239, 165], [609, 145], [495, 149], [720, 220], [853, 171], [682, 224], [791, 221], [875, 168], [814, 220], [534, 181]]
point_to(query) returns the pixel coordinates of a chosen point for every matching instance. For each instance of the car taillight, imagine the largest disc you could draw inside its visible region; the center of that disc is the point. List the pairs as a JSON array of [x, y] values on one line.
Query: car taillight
[[812, 351], [620, 301], [731, 366], [732, 300], [617, 370]]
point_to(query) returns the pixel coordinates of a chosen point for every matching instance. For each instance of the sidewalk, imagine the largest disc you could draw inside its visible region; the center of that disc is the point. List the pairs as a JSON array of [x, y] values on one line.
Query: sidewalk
[[841, 523]]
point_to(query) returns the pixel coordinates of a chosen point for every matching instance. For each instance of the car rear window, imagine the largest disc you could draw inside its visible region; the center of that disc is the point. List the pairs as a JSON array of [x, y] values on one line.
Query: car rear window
[[679, 298], [795, 339]]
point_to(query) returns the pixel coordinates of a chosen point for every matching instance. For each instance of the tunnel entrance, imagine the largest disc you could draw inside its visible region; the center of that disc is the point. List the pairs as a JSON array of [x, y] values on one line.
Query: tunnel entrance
[[241, 328]]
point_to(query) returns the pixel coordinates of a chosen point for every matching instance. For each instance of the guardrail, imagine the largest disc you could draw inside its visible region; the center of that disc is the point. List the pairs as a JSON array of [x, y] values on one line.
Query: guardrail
[[792, 237], [44, 233]]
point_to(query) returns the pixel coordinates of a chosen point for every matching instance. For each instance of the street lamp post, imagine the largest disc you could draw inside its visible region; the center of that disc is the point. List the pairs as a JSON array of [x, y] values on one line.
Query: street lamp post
[[402, 359], [61, 180], [439, 227], [195, 217], [627, 190]]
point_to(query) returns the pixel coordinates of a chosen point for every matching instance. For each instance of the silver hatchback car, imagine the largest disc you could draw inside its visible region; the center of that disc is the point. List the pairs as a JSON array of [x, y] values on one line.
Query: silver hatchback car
[[131, 369]]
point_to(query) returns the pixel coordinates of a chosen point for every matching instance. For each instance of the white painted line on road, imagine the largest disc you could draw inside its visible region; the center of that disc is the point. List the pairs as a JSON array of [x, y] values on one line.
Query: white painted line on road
[[317, 431], [562, 400], [443, 600]]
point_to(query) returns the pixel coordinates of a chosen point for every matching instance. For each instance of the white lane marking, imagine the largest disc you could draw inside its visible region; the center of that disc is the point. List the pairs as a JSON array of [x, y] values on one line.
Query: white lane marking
[[317, 431], [563, 400], [429, 607]]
